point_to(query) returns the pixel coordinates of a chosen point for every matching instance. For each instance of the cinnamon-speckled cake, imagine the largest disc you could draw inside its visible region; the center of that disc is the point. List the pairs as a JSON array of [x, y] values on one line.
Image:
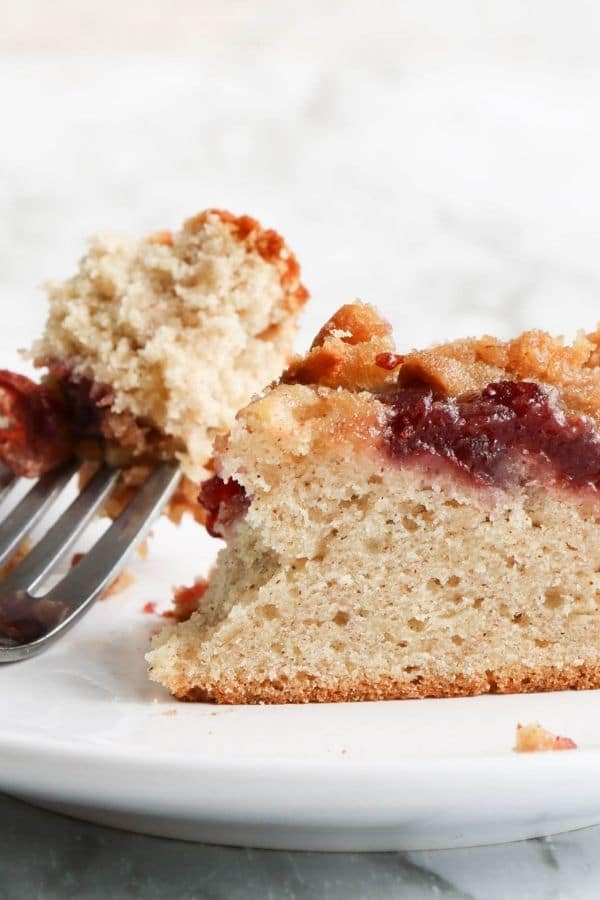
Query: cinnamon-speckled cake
[[152, 347], [419, 525]]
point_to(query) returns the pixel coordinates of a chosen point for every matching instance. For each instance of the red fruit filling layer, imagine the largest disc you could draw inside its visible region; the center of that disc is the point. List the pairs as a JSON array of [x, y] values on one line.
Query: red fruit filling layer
[[41, 424], [44, 424], [224, 502], [488, 437], [35, 428], [483, 435]]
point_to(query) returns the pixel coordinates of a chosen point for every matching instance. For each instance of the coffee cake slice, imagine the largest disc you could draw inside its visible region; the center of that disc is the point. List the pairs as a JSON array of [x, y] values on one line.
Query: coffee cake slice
[[152, 347], [419, 525]]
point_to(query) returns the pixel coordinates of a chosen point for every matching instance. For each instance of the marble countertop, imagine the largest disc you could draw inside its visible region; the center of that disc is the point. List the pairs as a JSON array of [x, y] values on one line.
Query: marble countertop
[[45, 856], [439, 160]]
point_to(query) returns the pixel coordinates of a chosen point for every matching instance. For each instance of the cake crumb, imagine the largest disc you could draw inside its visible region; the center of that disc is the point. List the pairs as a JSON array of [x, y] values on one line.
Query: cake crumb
[[533, 738], [17, 557], [186, 600], [120, 584]]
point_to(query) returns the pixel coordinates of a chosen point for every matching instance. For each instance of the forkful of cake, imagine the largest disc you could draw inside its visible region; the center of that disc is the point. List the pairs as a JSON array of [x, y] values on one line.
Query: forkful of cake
[[148, 352]]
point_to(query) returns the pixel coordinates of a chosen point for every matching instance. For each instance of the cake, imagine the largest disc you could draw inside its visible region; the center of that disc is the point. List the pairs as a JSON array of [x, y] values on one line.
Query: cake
[[151, 348], [403, 525]]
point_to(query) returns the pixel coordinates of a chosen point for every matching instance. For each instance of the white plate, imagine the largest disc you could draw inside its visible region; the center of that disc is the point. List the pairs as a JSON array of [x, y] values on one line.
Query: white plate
[[83, 730]]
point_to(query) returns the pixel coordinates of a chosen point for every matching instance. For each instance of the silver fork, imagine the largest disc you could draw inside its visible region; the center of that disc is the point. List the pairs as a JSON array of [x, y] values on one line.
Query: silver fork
[[29, 623]]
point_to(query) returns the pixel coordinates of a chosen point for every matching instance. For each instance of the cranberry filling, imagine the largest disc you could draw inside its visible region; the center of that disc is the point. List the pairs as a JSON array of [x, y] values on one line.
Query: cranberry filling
[[35, 431], [224, 502], [41, 425], [86, 403], [483, 434]]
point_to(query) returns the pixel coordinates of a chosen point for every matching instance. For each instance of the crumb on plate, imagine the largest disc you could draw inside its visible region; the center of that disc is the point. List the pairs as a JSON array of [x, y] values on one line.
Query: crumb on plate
[[533, 738]]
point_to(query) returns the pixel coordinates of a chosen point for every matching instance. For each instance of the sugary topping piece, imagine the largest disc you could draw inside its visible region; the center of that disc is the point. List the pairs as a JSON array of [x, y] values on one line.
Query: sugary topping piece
[[345, 352]]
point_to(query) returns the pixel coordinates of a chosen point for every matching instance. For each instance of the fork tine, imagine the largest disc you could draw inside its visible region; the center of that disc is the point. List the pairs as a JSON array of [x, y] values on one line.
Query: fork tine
[[45, 618], [7, 479], [60, 537], [99, 566], [23, 517]]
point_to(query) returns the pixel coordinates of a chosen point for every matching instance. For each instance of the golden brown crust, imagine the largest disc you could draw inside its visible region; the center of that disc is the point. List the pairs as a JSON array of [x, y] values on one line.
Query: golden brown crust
[[469, 365], [446, 374], [359, 322], [516, 680], [268, 243], [344, 355], [164, 238]]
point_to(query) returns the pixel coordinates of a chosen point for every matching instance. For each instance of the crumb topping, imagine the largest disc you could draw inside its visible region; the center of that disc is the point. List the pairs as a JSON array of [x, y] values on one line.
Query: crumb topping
[[469, 365], [355, 350], [345, 351], [269, 245]]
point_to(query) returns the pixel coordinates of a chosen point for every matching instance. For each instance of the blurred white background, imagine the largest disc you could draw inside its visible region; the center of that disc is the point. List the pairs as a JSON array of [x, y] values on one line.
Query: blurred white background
[[438, 159]]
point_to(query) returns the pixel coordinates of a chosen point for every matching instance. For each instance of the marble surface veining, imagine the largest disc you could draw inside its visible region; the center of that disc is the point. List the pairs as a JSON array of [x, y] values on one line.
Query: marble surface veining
[[45, 856], [439, 160]]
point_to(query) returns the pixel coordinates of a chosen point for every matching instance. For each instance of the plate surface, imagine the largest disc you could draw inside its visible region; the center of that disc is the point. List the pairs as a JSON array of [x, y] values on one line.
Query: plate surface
[[82, 730]]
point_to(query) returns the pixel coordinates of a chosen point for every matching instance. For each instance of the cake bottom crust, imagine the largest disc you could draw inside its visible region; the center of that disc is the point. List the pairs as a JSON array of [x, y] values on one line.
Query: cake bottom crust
[[515, 680]]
